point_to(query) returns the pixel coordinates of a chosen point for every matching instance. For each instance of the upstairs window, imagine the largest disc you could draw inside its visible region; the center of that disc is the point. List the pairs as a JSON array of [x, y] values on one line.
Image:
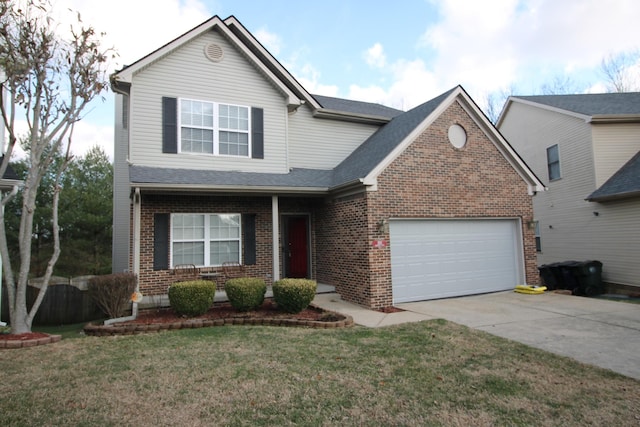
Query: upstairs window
[[212, 128], [553, 162]]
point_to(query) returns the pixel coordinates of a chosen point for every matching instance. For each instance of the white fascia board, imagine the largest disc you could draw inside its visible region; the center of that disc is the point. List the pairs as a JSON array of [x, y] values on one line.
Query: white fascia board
[[200, 188], [534, 184], [308, 97], [372, 178], [127, 74], [584, 117], [501, 144]]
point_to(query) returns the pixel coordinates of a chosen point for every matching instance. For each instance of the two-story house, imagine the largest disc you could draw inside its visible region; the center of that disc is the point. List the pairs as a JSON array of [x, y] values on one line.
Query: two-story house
[[588, 147], [222, 156]]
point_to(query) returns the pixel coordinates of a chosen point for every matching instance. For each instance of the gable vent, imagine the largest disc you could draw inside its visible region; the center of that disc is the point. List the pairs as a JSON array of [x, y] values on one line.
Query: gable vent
[[214, 52]]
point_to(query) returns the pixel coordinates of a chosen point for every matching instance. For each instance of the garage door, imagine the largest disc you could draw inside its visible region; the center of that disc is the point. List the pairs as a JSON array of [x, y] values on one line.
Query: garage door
[[444, 258]]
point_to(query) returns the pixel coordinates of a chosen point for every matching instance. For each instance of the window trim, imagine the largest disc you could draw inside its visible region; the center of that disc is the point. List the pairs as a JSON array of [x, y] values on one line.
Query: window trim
[[550, 163], [207, 239], [216, 129]]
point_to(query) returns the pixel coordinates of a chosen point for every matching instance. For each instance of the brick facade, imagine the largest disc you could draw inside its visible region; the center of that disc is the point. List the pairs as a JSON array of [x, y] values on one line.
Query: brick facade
[[430, 179]]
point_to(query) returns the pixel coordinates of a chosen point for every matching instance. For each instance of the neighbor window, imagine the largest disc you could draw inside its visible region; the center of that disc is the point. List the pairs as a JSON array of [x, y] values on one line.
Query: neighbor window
[[212, 128], [205, 239], [553, 162]]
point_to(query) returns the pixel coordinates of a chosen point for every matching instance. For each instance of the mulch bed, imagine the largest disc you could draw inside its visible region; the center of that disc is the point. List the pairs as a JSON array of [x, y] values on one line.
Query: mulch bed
[[155, 320]]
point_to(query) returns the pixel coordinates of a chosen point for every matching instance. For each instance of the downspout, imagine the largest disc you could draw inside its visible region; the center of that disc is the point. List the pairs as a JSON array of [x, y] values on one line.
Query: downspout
[[136, 258]]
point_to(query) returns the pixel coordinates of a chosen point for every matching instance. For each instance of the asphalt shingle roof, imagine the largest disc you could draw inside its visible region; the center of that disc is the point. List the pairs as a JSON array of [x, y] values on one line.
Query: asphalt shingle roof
[[368, 155], [591, 104], [295, 178], [357, 107], [625, 182]]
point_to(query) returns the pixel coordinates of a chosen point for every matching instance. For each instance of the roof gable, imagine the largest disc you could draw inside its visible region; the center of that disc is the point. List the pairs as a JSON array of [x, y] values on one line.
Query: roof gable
[[589, 107], [371, 158], [125, 76]]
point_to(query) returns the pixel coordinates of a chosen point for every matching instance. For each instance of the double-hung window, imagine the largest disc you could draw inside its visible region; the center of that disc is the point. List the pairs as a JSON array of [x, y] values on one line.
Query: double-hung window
[[205, 239], [213, 128], [553, 162]]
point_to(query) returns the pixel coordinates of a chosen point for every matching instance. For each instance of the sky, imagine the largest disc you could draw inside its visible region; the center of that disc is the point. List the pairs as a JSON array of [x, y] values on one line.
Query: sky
[[399, 53]]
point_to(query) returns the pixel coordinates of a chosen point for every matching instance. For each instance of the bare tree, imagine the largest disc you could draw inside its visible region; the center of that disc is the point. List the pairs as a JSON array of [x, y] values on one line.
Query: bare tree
[[622, 71], [48, 81]]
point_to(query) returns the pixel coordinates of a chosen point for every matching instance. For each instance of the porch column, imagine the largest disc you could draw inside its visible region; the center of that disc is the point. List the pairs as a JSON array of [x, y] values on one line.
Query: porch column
[[136, 233], [275, 214]]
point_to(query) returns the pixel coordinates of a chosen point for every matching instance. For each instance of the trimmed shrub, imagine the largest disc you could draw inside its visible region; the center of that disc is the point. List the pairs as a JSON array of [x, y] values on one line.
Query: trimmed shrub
[[192, 298], [294, 295], [245, 293], [112, 292]]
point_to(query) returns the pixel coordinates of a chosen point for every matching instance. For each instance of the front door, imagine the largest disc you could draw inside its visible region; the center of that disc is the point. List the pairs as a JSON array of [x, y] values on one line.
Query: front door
[[297, 247]]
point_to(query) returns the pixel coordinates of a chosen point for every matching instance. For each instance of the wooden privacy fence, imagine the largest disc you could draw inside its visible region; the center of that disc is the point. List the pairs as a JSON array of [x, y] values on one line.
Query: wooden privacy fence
[[67, 301]]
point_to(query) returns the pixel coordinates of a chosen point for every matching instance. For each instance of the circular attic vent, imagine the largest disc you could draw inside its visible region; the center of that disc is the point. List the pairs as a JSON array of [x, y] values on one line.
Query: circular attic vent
[[214, 52], [457, 136]]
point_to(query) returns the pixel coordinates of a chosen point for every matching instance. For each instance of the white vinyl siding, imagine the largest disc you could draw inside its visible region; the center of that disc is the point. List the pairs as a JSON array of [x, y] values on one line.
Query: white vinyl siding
[[187, 73], [323, 143], [121, 190], [613, 146], [569, 229]]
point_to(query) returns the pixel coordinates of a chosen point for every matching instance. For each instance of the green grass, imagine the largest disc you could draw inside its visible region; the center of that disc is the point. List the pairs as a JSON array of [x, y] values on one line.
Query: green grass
[[66, 331], [428, 373]]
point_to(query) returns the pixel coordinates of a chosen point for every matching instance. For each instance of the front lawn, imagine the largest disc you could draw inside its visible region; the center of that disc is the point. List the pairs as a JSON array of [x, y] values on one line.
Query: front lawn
[[427, 373]]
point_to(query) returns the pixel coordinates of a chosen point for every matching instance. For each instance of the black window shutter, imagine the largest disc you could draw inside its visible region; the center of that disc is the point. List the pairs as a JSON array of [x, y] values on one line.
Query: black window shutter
[[160, 241], [257, 133], [249, 232], [169, 125]]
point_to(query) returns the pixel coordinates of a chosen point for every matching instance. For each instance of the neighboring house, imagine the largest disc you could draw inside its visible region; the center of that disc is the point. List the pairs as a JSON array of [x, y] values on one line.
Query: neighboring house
[[588, 148], [222, 156]]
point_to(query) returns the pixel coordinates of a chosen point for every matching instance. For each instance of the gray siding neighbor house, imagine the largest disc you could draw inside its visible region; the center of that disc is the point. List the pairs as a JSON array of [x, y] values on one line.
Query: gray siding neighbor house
[[221, 156], [588, 148]]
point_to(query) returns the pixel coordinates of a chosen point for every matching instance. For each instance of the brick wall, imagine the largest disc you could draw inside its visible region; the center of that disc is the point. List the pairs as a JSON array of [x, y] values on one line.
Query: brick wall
[[156, 282], [431, 179]]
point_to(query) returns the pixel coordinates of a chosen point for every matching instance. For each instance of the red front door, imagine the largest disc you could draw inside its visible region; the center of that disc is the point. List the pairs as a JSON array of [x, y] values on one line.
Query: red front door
[[297, 264]]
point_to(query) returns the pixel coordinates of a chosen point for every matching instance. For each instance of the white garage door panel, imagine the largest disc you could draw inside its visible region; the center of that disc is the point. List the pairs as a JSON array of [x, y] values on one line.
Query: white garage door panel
[[443, 258]]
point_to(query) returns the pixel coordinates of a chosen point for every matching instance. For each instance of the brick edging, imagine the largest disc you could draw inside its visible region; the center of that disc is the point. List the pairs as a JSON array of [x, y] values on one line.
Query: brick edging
[[134, 329], [10, 344]]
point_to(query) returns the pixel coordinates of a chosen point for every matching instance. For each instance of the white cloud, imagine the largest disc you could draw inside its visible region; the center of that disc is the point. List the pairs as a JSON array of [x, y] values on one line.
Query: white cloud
[[488, 46], [309, 78], [135, 28], [375, 56], [87, 135], [270, 40]]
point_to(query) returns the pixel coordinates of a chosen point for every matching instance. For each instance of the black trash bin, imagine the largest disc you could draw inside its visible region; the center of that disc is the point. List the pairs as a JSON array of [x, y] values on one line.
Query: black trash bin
[[550, 274], [569, 273], [590, 278]]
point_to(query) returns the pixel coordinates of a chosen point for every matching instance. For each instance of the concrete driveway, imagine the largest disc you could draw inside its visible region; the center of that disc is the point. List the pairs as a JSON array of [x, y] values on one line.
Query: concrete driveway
[[597, 332]]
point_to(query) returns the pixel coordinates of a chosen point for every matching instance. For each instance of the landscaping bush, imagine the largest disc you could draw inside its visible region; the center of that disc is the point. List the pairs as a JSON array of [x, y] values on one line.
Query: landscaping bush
[[245, 293], [192, 298], [294, 295], [112, 292]]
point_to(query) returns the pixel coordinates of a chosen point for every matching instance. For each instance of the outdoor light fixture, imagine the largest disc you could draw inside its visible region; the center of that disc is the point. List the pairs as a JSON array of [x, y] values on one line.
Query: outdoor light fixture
[[383, 226]]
